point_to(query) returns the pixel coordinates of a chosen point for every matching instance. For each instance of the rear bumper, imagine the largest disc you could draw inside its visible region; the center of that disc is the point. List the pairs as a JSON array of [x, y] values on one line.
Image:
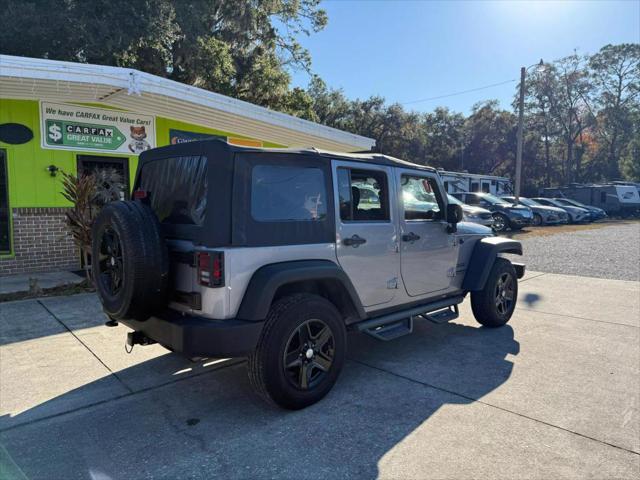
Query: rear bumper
[[199, 336]]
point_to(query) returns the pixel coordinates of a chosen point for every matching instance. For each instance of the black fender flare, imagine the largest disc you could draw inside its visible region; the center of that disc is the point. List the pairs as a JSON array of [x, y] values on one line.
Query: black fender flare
[[484, 254], [267, 279]]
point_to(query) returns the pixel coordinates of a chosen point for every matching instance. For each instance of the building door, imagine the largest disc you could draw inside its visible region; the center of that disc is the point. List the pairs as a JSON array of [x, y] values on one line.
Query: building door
[[5, 213], [88, 164]]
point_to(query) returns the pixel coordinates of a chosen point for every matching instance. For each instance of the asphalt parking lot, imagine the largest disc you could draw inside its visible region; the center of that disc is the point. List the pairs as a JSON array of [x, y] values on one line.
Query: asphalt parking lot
[[554, 394]]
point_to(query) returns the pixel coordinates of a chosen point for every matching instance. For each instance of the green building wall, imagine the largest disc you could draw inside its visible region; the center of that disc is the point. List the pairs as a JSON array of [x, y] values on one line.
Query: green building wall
[[31, 185]]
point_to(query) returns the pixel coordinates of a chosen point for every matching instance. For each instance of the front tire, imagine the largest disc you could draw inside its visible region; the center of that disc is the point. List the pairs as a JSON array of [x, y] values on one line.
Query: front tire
[[300, 352], [537, 219], [493, 306], [500, 222]]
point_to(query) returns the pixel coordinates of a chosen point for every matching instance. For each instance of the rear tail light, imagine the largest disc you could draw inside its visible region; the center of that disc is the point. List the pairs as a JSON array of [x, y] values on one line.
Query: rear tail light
[[210, 269], [139, 194]]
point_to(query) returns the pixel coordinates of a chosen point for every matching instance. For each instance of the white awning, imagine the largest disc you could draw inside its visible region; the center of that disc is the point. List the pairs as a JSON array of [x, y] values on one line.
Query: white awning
[[128, 89]]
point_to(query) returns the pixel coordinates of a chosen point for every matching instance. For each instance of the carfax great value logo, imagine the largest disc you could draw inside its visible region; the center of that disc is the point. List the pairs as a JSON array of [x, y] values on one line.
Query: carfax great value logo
[[83, 135]]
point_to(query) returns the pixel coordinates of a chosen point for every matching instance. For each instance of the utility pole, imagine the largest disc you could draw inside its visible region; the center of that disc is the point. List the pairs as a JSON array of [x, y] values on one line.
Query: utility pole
[[523, 72]]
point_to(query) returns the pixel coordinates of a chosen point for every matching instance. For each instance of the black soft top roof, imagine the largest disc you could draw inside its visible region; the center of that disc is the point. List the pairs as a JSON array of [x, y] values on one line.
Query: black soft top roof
[[200, 146]]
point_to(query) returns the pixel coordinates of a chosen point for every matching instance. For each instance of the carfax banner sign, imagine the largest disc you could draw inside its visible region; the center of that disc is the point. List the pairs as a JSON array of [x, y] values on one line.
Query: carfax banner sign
[[74, 127]]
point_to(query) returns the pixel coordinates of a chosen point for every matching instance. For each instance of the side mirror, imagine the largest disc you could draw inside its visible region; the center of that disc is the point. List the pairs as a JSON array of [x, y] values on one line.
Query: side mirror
[[454, 213]]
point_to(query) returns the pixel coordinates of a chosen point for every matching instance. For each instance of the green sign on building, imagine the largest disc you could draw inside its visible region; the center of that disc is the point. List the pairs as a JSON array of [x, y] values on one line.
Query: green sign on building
[[83, 135], [67, 126]]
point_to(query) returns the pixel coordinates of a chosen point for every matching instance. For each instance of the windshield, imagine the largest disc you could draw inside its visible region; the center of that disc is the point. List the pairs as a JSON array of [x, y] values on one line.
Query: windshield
[[569, 203], [529, 203], [453, 200], [495, 200]]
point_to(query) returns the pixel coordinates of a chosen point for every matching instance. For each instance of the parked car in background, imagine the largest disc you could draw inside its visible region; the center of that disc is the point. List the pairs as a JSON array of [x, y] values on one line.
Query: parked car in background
[[542, 214], [505, 214], [576, 214], [473, 214], [596, 213], [619, 198]]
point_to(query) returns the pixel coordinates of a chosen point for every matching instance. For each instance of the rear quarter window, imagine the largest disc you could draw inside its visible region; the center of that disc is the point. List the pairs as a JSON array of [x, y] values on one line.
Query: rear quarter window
[[177, 188], [286, 193]]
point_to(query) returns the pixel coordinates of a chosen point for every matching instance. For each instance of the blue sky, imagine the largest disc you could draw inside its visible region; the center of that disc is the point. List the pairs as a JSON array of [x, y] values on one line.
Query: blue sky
[[411, 50]]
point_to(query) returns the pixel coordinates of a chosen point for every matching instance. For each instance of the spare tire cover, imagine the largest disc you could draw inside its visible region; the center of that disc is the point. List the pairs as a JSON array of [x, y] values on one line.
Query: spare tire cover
[[130, 265]]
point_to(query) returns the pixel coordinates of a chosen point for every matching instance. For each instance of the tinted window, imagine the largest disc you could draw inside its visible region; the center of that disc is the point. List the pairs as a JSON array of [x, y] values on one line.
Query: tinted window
[[5, 241], [177, 188], [284, 193], [363, 195], [419, 198], [472, 199]]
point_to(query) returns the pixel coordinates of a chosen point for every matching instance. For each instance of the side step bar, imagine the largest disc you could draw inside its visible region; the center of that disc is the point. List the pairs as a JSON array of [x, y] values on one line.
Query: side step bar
[[396, 324]]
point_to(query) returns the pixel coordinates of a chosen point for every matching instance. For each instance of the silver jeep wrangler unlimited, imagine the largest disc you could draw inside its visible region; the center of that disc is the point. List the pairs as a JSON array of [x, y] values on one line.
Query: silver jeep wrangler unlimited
[[228, 251]]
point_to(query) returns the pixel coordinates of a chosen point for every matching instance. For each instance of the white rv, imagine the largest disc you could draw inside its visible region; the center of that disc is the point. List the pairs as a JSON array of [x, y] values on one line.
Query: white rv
[[457, 182]]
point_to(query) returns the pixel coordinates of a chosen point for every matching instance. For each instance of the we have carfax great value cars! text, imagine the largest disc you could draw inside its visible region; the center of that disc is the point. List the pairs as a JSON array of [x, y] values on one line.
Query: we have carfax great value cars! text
[[228, 251]]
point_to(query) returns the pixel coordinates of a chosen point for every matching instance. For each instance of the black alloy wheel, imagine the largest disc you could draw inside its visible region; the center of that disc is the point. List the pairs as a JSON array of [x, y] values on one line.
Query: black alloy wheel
[[504, 294], [300, 353], [309, 354], [494, 305], [110, 264]]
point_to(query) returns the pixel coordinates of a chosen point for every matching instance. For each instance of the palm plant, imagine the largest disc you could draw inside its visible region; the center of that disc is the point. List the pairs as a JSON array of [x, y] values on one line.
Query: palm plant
[[88, 193]]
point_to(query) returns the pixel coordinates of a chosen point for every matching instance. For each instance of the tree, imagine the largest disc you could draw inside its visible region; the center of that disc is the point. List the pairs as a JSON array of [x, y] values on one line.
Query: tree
[[615, 73], [241, 48], [491, 137]]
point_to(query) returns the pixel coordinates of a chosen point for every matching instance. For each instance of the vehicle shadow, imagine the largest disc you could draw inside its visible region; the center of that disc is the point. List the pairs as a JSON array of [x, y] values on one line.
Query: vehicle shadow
[[211, 424]]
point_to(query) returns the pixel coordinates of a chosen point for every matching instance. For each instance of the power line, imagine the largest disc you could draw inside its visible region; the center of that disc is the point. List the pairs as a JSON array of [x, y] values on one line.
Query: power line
[[459, 93]]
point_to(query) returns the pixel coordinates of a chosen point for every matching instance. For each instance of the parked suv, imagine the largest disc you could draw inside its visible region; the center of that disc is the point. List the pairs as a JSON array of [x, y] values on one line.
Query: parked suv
[[542, 214], [228, 251], [505, 214], [473, 214]]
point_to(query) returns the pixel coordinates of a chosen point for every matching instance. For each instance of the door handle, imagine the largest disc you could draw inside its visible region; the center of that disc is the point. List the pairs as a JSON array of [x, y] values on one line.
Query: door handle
[[354, 241], [410, 237]]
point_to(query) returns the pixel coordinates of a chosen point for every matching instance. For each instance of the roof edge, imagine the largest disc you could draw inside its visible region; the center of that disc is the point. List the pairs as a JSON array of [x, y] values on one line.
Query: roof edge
[[137, 82]]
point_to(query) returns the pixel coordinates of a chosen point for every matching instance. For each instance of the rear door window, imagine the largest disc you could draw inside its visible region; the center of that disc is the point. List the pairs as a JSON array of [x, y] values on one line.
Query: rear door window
[[363, 195]]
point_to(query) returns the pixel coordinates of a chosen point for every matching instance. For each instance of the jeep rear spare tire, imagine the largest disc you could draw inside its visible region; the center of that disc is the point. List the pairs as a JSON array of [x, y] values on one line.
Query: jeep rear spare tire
[[130, 265]]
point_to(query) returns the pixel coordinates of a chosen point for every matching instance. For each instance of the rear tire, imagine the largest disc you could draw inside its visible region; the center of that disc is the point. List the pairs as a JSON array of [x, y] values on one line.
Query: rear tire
[[130, 265], [494, 304], [300, 353]]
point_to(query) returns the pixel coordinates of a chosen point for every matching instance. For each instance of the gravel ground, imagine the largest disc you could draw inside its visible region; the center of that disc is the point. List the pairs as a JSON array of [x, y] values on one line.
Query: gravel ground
[[604, 252]]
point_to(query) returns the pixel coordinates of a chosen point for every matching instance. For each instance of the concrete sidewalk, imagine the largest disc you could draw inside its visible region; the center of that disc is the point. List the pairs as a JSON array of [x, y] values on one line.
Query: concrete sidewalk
[[555, 394]]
